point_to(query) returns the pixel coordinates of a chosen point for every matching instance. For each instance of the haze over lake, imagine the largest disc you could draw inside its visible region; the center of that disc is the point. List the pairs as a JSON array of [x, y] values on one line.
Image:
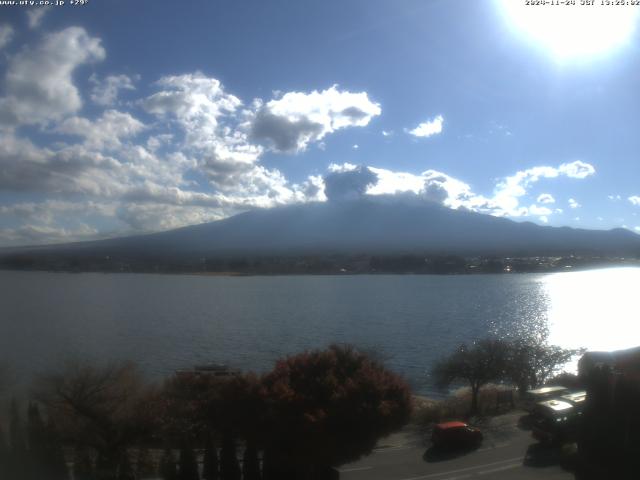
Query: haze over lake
[[166, 322]]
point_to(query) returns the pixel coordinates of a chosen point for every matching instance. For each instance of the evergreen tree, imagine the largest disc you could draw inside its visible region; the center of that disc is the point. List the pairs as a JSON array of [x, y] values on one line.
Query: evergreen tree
[[55, 461], [4, 456], [188, 465], [104, 467], [37, 439], [145, 467], [210, 462], [250, 463], [168, 469], [125, 471], [229, 468], [18, 455], [83, 465]]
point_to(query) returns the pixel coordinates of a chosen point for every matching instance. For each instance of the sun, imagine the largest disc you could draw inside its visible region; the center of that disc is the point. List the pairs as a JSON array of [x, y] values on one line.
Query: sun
[[568, 31]]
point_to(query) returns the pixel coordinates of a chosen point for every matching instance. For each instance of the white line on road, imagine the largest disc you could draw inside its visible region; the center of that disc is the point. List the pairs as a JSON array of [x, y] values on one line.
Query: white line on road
[[459, 477], [354, 469], [391, 449], [500, 469], [519, 459], [493, 447]]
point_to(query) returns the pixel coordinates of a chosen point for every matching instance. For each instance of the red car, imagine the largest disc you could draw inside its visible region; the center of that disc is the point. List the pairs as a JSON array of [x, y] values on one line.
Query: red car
[[454, 435]]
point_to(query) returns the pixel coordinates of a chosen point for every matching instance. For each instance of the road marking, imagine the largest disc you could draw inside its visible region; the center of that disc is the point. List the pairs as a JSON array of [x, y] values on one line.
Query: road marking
[[519, 459], [391, 449], [354, 469], [493, 447], [500, 469]]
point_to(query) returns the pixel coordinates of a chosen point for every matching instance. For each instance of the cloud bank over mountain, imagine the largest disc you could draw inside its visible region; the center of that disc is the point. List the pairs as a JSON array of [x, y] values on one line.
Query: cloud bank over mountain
[[85, 156]]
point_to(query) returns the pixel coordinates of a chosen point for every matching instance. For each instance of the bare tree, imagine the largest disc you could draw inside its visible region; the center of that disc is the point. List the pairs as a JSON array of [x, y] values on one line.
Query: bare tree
[[106, 408], [483, 362], [532, 362]]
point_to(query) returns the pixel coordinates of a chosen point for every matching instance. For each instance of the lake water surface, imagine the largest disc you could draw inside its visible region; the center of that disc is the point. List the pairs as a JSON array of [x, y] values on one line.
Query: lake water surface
[[165, 322]]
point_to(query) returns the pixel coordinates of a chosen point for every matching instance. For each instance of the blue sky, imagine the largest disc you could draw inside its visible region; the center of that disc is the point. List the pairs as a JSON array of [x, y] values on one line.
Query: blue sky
[[123, 117]]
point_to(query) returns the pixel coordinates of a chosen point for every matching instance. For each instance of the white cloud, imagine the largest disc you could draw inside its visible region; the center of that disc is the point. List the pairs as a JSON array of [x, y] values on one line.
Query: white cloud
[[198, 161], [538, 210], [341, 168], [6, 35], [574, 203], [429, 128], [576, 169], [349, 182], [104, 133], [510, 189], [39, 82], [105, 92], [635, 200], [35, 16], [387, 133], [42, 234], [355, 146], [546, 198], [293, 121], [614, 198], [438, 187], [637, 229], [195, 101], [430, 185]]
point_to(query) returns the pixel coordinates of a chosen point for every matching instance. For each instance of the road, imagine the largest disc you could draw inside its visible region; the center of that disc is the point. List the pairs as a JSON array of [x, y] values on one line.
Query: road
[[507, 452]]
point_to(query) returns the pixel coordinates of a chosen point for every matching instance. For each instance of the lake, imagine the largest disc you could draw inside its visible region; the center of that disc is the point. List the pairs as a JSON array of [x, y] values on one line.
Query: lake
[[165, 322]]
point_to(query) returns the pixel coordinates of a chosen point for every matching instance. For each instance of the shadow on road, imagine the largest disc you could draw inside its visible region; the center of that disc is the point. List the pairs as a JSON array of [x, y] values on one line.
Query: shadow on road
[[525, 422], [434, 454], [540, 456]]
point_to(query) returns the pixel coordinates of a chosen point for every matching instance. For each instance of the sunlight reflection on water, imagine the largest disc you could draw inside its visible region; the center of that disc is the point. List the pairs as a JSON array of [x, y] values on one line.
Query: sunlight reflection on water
[[596, 309]]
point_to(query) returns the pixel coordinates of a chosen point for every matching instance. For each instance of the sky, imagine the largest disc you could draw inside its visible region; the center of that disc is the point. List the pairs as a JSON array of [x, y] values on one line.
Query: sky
[[121, 117]]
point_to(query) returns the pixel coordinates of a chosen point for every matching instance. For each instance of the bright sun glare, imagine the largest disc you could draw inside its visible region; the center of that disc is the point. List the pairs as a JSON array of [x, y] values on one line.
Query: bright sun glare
[[573, 31]]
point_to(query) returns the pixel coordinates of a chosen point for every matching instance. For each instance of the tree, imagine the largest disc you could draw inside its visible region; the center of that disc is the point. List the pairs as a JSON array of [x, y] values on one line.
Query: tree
[[45, 449], [37, 440], [210, 461], [106, 408], [83, 465], [477, 365], [188, 465], [329, 407], [168, 469], [145, 467], [250, 463], [55, 460], [4, 455], [125, 471], [532, 362], [229, 467], [18, 464]]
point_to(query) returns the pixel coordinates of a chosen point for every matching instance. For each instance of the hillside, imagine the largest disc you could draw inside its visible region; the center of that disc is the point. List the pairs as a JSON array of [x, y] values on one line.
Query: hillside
[[362, 227]]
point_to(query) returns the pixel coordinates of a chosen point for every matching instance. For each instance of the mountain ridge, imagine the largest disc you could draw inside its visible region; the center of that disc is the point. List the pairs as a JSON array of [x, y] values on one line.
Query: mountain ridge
[[357, 226]]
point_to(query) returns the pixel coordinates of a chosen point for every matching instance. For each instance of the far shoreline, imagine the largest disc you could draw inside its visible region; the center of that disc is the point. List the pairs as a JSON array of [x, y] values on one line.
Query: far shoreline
[[627, 263]]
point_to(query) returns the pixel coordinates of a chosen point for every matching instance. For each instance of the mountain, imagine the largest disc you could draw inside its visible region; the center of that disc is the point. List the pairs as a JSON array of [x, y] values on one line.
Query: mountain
[[367, 226]]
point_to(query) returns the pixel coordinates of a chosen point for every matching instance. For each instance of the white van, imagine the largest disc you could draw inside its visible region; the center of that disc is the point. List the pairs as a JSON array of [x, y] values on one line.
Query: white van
[[533, 397]]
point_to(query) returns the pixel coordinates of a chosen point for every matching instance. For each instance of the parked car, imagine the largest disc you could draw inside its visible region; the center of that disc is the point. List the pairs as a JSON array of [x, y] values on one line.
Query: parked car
[[533, 397], [455, 435], [557, 421]]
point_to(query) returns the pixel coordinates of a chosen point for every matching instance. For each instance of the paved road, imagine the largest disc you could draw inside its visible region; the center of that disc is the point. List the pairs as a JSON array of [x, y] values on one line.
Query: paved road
[[507, 453]]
